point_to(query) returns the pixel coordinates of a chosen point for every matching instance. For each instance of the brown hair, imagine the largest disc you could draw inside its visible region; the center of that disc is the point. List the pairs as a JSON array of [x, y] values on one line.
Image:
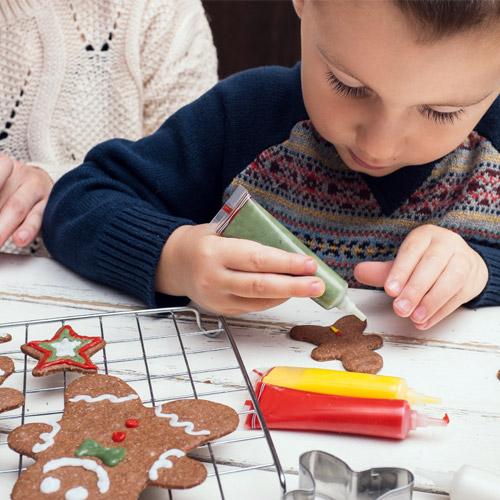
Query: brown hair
[[437, 19]]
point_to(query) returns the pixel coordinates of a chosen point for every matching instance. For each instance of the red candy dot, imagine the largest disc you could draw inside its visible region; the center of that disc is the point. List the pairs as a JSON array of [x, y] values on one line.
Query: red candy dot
[[118, 437], [132, 422]]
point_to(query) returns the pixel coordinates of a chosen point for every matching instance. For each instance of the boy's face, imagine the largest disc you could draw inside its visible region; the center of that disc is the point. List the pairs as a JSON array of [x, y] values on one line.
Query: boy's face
[[384, 100]]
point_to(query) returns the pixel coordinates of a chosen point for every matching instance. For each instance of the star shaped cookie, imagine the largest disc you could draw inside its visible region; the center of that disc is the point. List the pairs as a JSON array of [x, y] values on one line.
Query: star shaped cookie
[[343, 340], [10, 399], [67, 350]]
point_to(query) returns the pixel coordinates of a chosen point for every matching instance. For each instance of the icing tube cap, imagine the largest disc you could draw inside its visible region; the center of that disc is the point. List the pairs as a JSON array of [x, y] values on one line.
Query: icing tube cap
[[348, 306], [441, 480]]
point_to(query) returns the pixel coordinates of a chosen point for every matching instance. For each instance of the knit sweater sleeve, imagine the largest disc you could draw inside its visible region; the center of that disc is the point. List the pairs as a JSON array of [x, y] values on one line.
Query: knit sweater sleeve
[[490, 296], [177, 57], [110, 218]]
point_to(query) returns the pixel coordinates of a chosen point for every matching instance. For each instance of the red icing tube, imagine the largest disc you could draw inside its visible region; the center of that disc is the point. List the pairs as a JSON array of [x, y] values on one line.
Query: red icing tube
[[292, 409]]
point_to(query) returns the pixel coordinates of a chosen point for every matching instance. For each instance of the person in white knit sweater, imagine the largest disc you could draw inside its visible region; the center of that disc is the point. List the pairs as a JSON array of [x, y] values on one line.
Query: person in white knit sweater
[[74, 73]]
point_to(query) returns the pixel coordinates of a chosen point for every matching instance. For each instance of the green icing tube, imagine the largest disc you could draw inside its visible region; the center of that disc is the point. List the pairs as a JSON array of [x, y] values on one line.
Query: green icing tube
[[242, 217]]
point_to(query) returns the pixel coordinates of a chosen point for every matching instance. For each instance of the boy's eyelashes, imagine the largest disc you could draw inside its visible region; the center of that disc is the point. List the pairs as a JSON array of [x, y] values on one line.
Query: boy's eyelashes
[[439, 116], [344, 90]]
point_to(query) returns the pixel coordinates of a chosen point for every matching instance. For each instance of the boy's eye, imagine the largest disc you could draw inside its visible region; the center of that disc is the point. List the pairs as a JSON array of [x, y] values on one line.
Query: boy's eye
[[345, 90], [440, 117], [358, 92]]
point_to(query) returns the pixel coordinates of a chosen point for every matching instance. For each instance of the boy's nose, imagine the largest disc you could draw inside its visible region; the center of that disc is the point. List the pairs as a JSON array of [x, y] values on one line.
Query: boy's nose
[[381, 139]]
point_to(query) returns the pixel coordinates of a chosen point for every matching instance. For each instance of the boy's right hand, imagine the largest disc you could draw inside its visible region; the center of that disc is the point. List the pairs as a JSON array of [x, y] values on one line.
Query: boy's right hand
[[231, 276]]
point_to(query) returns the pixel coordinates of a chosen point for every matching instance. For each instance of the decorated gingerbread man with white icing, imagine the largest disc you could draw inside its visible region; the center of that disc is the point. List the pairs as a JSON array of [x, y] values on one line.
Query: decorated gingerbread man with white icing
[[108, 445]]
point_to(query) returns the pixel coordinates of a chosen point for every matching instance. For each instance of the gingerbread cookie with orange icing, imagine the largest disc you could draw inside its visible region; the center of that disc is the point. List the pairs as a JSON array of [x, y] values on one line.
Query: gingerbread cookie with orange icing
[[10, 399], [344, 340], [108, 445], [65, 351]]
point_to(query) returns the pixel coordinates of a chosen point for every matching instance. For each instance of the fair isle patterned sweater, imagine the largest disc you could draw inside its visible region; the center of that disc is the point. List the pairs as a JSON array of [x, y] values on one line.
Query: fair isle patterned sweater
[[110, 218], [304, 183]]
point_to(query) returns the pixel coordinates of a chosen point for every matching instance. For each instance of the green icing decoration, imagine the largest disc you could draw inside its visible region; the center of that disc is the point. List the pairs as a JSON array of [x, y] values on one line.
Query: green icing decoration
[[69, 342], [91, 448]]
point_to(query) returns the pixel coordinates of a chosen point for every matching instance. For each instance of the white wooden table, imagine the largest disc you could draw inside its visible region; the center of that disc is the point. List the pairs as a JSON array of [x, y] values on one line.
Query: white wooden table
[[457, 361]]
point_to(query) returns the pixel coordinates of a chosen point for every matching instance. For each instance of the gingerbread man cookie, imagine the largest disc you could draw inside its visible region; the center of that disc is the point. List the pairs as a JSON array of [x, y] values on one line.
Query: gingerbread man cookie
[[10, 399], [343, 340], [109, 446], [66, 350]]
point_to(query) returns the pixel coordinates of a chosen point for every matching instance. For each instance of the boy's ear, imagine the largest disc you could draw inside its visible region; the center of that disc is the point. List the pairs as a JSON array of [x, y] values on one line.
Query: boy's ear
[[298, 5]]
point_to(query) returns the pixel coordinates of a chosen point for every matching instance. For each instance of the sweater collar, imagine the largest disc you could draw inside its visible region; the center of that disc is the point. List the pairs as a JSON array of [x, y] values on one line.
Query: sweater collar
[[392, 190], [10, 10]]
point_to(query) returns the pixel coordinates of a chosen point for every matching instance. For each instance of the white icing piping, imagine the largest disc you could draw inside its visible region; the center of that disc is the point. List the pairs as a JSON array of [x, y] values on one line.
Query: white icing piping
[[47, 437], [78, 493], [163, 462], [50, 485], [174, 422], [102, 397], [2, 373], [86, 463]]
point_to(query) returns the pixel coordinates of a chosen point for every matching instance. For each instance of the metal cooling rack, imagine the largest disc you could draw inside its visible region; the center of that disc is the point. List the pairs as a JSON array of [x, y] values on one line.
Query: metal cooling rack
[[164, 354]]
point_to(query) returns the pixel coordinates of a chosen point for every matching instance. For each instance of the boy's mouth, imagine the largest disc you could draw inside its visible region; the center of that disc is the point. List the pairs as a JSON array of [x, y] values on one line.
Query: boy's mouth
[[363, 164]]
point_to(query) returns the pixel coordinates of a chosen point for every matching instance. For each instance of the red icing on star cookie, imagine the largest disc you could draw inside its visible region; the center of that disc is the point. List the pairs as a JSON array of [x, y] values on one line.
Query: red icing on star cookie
[[67, 350]]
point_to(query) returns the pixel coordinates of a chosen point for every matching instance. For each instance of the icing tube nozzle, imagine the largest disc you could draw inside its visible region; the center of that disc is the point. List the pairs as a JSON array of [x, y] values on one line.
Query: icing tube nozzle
[[417, 398], [421, 420], [348, 306]]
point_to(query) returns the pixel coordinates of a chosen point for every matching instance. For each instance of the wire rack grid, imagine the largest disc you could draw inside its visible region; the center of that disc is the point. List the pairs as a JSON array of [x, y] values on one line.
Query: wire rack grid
[[164, 355]]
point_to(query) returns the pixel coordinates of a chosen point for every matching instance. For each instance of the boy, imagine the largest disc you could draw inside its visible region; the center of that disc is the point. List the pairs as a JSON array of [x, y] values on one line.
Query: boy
[[379, 164]]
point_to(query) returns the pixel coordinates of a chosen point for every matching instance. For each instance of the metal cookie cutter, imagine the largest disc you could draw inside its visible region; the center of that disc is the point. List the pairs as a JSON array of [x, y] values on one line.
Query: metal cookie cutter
[[323, 476]]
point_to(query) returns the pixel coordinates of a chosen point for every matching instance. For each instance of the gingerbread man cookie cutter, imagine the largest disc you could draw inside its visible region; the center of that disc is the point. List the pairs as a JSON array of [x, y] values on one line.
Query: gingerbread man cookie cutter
[[325, 476]]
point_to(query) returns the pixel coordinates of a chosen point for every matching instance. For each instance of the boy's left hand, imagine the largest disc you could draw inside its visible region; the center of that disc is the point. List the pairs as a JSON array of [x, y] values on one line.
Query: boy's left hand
[[434, 273]]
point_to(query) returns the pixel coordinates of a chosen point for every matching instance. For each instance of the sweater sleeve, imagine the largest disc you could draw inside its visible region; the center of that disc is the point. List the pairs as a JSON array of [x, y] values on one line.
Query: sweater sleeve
[[490, 296], [109, 218], [177, 56]]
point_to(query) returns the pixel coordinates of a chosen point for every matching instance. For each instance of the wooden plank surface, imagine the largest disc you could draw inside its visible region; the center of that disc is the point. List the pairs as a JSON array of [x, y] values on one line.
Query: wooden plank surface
[[458, 361]]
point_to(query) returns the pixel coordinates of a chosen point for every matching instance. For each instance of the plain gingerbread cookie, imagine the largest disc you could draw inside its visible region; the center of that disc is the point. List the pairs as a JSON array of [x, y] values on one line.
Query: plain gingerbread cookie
[[10, 399], [109, 446], [344, 340]]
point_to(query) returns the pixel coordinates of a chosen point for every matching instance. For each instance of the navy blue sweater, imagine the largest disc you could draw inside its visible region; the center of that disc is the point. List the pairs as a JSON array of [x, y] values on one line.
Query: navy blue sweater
[[109, 218]]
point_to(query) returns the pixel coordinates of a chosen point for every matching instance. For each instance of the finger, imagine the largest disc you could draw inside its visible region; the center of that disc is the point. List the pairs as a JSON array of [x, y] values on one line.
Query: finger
[[246, 255], [30, 227], [453, 278], [410, 252], [16, 209], [454, 303], [373, 273], [232, 305], [273, 286], [6, 168], [424, 277]]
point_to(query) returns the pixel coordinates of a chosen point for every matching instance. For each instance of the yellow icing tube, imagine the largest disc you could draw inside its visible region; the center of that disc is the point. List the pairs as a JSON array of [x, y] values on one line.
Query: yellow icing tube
[[340, 383]]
